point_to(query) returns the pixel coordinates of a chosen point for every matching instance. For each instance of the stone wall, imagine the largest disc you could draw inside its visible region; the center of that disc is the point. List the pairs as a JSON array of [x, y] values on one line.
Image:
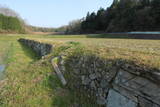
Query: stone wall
[[41, 49], [114, 83]]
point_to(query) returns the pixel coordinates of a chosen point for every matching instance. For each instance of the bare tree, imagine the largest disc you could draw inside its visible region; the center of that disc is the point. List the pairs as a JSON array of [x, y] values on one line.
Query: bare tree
[[8, 12]]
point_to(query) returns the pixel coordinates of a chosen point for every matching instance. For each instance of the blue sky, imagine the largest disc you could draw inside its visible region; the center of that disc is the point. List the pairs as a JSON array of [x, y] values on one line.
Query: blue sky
[[54, 13]]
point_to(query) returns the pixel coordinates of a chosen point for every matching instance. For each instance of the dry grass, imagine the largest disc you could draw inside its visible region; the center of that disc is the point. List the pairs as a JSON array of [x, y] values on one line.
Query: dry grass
[[30, 82], [145, 52]]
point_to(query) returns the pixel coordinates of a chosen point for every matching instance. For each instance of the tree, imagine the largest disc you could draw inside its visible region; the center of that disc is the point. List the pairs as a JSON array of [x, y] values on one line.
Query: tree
[[155, 12], [124, 16], [9, 23], [74, 27]]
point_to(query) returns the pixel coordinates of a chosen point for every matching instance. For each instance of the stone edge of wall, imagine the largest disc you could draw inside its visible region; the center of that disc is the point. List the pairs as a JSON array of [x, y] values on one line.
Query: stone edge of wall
[[123, 86], [41, 49]]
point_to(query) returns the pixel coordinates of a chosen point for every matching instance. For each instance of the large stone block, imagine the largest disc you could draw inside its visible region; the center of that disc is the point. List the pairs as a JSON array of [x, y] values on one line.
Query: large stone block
[[127, 93], [146, 103], [115, 99], [139, 86]]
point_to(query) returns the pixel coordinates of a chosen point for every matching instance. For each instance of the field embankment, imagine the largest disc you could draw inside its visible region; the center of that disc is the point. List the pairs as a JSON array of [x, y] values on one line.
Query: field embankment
[[41, 49], [30, 81], [97, 70], [103, 73]]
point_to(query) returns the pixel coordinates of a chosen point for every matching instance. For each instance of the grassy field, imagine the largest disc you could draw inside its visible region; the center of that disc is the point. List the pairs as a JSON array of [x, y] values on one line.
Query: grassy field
[[5, 47], [142, 51], [31, 82]]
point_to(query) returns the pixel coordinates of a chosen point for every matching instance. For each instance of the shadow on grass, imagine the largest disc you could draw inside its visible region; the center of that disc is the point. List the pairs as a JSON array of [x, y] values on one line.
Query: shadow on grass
[[29, 52], [61, 96], [125, 36], [64, 96]]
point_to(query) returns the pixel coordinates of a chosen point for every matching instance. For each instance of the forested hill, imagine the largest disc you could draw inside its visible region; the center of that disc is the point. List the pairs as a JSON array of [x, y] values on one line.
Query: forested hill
[[121, 16], [10, 22]]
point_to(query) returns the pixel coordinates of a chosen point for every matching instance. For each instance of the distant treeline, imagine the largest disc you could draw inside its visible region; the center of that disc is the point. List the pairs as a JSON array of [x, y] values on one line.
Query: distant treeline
[[60, 30], [10, 24], [121, 16], [41, 29]]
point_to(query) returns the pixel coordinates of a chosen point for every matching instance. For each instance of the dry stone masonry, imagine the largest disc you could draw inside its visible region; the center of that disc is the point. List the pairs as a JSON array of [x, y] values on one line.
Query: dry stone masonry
[[41, 49], [115, 83]]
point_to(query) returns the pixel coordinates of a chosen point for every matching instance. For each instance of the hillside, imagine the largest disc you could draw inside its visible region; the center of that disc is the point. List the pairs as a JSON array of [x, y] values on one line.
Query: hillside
[[10, 22], [121, 16]]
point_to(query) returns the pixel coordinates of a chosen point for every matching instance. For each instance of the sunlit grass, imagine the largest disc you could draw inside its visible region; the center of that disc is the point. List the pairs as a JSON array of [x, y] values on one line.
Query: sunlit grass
[[142, 51], [32, 82]]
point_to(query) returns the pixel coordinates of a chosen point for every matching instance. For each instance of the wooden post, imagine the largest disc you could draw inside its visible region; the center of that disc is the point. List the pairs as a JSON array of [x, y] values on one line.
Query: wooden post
[[58, 72]]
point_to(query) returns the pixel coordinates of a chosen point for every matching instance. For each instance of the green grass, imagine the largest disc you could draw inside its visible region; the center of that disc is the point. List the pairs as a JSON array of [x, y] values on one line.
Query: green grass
[[32, 82], [146, 52], [147, 46], [5, 47]]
